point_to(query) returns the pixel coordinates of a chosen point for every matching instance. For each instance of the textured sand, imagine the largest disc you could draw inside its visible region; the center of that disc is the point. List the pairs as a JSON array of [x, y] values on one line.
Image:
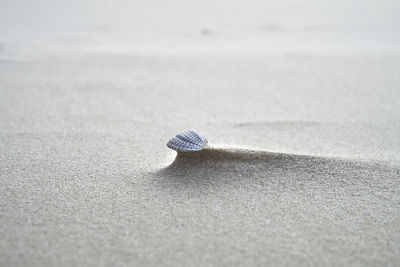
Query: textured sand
[[300, 104]]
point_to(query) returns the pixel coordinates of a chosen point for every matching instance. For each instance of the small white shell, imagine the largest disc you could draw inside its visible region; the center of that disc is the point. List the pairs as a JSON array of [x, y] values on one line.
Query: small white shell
[[188, 141]]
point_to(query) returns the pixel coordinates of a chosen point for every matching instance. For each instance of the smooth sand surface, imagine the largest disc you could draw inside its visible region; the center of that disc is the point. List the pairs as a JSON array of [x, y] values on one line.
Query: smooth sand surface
[[300, 103]]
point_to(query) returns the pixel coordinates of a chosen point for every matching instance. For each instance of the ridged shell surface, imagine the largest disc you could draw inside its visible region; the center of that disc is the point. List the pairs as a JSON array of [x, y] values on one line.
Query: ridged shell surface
[[188, 141]]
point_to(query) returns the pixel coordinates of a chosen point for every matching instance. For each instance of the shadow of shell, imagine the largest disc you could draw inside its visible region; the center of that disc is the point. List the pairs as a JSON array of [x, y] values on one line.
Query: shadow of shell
[[224, 167]]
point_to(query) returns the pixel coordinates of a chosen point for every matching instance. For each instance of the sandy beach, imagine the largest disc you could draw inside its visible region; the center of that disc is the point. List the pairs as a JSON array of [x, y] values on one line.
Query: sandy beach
[[300, 104]]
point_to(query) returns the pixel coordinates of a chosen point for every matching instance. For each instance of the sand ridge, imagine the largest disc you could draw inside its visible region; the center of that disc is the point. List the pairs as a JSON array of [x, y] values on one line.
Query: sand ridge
[[211, 164]]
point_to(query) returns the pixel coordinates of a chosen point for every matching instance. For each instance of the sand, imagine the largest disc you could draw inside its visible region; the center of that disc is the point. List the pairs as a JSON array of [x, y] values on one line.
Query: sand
[[300, 104]]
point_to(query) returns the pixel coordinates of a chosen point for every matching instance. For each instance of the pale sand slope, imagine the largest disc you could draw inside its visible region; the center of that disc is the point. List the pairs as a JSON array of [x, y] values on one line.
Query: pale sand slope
[[302, 101]]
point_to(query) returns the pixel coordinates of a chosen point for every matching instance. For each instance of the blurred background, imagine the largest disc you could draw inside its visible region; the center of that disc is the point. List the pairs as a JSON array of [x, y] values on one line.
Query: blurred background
[[49, 28]]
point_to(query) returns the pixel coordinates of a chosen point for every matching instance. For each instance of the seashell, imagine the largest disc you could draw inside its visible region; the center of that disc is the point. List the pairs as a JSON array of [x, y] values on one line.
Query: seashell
[[188, 141]]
